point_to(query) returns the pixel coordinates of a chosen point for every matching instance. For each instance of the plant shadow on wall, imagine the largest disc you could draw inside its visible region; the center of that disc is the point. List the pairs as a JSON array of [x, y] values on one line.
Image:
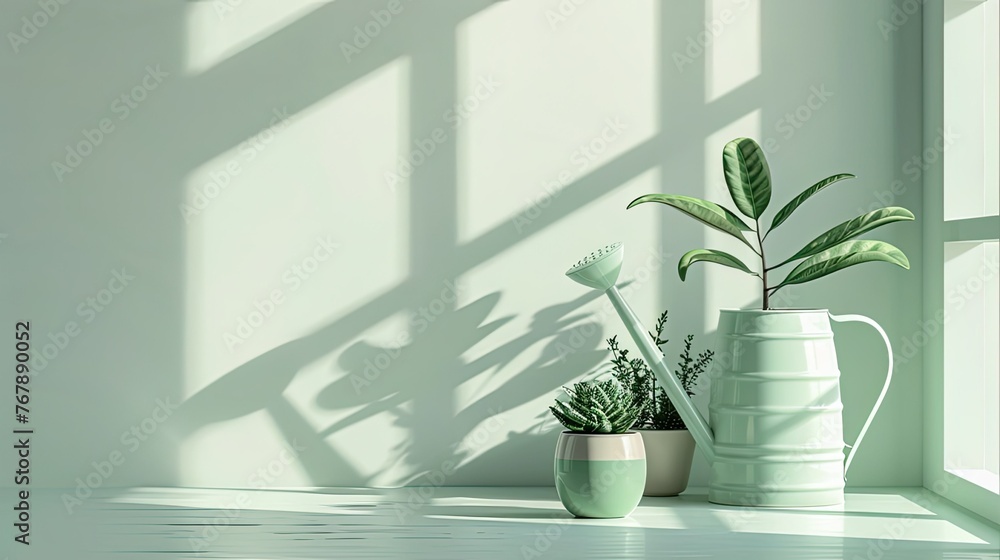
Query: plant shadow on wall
[[416, 386], [447, 438]]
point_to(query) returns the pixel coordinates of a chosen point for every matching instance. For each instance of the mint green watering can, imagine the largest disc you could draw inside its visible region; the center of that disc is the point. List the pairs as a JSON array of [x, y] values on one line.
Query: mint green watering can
[[776, 435]]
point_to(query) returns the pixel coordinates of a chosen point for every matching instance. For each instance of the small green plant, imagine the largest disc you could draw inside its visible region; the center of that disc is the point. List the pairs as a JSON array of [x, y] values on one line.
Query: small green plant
[[597, 407], [749, 180], [658, 413]]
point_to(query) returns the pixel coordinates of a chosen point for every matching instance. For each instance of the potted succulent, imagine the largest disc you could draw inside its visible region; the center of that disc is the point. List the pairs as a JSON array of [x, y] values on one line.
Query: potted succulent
[[667, 441], [600, 463]]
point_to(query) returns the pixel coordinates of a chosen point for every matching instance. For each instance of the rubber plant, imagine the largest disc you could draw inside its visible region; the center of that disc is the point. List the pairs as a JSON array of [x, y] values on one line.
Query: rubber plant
[[597, 407], [749, 180]]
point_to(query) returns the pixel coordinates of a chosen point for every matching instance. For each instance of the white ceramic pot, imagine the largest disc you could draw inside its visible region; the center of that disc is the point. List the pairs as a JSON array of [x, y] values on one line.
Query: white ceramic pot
[[668, 461]]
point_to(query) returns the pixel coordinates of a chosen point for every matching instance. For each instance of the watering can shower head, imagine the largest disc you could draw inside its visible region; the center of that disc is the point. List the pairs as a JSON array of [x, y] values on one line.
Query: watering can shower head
[[600, 269]]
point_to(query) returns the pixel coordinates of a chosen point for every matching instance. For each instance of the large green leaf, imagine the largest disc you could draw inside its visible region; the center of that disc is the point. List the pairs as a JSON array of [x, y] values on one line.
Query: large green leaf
[[787, 209], [747, 175], [848, 253], [709, 255], [851, 229], [708, 213]]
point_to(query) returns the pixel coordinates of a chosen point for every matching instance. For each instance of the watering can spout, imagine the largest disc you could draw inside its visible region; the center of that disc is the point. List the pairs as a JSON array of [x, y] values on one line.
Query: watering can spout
[[693, 419], [600, 270]]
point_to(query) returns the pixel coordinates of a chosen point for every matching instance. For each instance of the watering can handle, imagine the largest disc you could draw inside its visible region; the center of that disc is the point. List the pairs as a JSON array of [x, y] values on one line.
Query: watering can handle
[[885, 388]]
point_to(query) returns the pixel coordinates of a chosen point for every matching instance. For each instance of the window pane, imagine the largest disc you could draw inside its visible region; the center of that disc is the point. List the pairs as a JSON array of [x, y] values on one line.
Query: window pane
[[970, 141], [972, 361]]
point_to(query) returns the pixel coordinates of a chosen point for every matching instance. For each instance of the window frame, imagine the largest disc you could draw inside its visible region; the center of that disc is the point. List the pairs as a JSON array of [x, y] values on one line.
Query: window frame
[[936, 232]]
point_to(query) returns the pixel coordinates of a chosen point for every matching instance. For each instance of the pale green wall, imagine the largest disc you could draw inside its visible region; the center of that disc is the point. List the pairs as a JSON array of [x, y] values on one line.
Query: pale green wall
[[476, 214]]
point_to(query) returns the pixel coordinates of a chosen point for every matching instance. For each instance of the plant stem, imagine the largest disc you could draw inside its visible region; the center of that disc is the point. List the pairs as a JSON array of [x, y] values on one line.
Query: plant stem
[[763, 263]]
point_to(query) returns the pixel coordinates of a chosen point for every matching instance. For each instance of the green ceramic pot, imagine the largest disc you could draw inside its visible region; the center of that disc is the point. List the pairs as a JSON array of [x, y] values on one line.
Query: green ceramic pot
[[600, 475]]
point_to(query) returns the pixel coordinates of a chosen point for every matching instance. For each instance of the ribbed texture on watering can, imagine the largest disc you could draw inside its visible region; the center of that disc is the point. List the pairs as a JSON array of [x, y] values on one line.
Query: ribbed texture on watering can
[[776, 410]]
